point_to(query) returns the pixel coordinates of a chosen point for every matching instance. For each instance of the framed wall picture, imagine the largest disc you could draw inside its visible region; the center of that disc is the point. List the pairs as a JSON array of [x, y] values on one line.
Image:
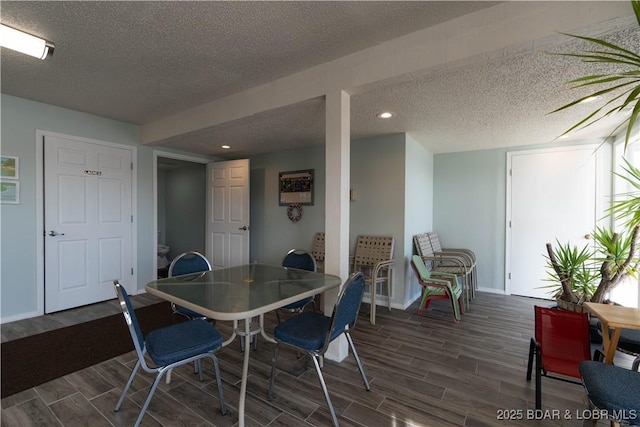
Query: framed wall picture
[[296, 187], [9, 192], [9, 167]]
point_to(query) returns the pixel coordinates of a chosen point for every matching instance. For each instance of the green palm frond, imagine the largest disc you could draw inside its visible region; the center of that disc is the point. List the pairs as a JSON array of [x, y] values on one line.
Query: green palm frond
[[626, 81]]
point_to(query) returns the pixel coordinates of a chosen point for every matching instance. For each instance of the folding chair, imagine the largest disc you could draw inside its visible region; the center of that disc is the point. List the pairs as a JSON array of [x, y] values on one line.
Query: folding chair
[[561, 342]]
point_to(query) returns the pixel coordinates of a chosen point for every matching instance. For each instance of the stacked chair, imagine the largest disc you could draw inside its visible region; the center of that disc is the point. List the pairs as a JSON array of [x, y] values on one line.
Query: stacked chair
[[318, 250], [467, 256], [444, 262], [437, 286], [373, 258]]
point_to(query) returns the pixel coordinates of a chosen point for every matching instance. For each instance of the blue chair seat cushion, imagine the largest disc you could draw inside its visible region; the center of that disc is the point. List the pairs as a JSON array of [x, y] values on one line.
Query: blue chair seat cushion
[[182, 340], [612, 388], [298, 304], [630, 340], [189, 313], [306, 331]]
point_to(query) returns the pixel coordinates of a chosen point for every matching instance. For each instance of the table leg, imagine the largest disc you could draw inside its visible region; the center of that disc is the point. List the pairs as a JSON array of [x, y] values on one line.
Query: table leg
[[612, 344], [245, 371]]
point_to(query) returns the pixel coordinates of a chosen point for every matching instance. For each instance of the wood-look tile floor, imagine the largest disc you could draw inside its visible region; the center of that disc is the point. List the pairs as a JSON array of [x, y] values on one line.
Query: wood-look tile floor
[[424, 371]]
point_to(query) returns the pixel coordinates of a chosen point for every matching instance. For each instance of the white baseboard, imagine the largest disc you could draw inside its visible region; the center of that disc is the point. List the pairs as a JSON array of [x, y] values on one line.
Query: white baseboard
[[492, 291]]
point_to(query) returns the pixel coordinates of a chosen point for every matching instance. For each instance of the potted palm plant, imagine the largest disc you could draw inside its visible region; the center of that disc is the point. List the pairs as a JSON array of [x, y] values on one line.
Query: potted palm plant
[[574, 272]]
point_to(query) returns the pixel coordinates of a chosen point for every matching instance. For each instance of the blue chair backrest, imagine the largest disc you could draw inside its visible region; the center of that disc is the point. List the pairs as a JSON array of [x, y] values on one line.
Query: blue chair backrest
[[300, 259], [189, 262], [129, 315], [345, 313]]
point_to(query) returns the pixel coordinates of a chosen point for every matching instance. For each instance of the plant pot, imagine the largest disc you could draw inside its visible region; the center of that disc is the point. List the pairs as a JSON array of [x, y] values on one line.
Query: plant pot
[[570, 306]]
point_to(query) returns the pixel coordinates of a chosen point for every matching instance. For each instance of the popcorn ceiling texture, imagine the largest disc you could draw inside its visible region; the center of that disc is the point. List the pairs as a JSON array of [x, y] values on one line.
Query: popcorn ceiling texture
[[140, 62]]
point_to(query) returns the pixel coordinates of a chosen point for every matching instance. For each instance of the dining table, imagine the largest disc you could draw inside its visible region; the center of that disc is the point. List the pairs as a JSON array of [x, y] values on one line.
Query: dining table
[[240, 294], [614, 318]]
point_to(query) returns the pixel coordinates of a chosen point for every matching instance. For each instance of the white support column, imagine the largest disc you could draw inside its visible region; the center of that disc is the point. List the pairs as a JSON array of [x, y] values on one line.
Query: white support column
[[337, 160]]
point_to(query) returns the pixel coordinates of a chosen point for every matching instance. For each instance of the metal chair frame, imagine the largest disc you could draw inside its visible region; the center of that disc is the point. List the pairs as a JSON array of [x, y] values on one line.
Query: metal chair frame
[[141, 349], [336, 329], [373, 257]]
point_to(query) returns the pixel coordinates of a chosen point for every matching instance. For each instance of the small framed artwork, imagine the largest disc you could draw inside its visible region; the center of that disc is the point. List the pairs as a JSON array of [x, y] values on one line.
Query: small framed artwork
[[9, 192], [9, 167], [296, 187]]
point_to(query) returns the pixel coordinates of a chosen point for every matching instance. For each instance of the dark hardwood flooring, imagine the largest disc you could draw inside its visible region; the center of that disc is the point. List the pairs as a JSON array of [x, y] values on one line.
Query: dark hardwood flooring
[[424, 371]]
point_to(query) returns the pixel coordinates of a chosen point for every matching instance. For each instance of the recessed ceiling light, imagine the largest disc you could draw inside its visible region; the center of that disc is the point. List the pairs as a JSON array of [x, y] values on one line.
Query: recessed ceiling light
[[225, 147], [589, 99], [385, 115]]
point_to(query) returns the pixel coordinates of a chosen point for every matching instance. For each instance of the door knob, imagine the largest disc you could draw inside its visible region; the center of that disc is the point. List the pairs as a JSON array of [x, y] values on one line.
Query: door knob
[[244, 227], [55, 233], [587, 236]]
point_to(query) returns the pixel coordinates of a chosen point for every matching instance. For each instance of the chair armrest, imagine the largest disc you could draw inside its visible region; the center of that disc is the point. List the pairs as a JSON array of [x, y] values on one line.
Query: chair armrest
[[457, 253], [469, 252], [456, 261], [387, 264]]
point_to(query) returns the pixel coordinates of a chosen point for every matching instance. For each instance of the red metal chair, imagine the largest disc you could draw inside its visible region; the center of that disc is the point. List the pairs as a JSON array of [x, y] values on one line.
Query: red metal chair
[[561, 342]]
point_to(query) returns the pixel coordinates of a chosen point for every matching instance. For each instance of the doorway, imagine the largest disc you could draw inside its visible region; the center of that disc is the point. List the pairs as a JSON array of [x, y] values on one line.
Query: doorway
[[180, 207], [551, 194]]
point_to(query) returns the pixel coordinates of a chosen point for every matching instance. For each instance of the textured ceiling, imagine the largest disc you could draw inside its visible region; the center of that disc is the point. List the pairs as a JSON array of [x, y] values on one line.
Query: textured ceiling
[[140, 62]]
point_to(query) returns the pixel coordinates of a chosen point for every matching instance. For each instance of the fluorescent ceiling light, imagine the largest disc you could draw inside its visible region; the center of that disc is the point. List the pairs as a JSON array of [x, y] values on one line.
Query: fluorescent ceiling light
[[225, 146], [385, 115], [25, 43]]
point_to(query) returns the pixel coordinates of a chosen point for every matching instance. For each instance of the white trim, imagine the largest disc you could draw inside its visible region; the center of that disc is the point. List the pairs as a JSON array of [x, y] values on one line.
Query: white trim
[[168, 155], [510, 154], [40, 134], [492, 291]]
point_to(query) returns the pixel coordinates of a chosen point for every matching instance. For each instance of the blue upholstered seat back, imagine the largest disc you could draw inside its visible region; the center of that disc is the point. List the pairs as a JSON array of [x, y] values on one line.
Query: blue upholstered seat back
[[189, 262], [346, 309], [300, 259]]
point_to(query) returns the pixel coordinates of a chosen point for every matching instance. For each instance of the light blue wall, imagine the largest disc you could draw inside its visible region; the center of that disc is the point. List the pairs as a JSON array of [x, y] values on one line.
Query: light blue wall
[[20, 120], [469, 208], [418, 206], [381, 167], [272, 233], [378, 179], [469, 205], [186, 194]]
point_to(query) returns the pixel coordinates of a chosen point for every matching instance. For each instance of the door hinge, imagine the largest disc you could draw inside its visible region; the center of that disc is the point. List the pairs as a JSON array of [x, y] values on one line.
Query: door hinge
[[131, 165], [132, 271], [509, 276], [510, 172], [131, 218]]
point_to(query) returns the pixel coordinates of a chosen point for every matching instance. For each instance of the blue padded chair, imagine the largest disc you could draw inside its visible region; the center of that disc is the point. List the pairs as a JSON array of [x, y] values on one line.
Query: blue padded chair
[[628, 343], [302, 260], [169, 347], [312, 332], [186, 263], [614, 389]]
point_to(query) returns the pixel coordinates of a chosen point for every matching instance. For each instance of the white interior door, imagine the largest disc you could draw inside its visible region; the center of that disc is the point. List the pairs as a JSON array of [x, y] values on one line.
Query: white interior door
[[551, 194], [228, 213], [88, 221]]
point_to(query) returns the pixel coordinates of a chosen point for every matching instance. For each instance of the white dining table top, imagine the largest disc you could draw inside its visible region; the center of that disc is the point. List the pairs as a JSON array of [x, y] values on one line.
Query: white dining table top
[[241, 292]]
